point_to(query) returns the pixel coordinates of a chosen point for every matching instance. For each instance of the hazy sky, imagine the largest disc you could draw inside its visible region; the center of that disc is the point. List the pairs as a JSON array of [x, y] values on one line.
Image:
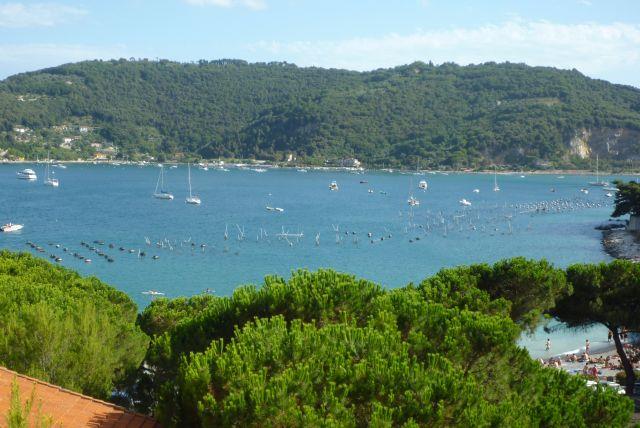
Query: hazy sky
[[601, 38]]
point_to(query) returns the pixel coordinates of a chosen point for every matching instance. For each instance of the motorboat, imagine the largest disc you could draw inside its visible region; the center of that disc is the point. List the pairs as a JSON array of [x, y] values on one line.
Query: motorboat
[[333, 186], [413, 201], [422, 185], [153, 293], [10, 227], [27, 174], [464, 202]]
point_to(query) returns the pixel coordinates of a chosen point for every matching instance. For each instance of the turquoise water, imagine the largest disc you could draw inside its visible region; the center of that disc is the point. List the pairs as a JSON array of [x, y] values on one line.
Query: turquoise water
[[114, 204]]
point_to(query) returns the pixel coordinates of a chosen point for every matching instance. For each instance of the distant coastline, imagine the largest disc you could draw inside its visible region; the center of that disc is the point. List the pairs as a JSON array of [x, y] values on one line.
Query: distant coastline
[[262, 164]]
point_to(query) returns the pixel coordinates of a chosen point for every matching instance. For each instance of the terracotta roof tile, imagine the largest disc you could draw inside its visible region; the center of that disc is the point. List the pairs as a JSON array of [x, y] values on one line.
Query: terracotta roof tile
[[67, 408]]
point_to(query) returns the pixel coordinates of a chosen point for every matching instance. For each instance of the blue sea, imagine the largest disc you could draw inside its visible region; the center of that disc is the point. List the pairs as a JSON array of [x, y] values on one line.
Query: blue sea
[[365, 228]]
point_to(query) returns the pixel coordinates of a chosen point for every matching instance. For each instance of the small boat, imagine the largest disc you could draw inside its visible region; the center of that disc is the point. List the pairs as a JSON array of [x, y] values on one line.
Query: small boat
[[10, 227], [160, 192], [610, 189], [370, 191], [585, 191], [413, 201], [48, 181], [333, 185], [598, 182], [191, 199], [27, 174], [422, 185], [276, 209], [153, 293], [476, 190], [464, 202], [59, 165], [609, 194]]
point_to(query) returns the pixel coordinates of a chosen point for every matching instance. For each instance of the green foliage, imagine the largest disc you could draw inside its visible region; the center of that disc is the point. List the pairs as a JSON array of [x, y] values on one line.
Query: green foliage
[[607, 294], [444, 115], [627, 198], [328, 349], [525, 289], [71, 331]]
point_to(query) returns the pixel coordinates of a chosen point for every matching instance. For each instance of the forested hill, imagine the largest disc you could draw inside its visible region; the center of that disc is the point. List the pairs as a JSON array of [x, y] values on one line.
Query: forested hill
[[445, 115]]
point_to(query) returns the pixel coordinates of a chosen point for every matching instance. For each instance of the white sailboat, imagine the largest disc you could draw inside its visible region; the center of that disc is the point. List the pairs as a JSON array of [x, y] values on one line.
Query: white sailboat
[[412, 201], [160, 192], [48, 181], [598, 182], [496, 188], [193, 200]]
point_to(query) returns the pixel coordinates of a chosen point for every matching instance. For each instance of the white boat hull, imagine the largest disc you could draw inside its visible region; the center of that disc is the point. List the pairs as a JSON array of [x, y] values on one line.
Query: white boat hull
[[193, 200], [165, 196], [11, 227]]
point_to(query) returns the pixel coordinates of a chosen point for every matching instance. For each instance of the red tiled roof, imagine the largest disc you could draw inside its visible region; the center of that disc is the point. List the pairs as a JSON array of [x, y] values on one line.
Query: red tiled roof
[[68, 409]]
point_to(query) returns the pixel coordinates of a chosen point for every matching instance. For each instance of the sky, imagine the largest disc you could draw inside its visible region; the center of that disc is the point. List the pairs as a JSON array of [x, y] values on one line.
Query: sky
[[600, 38]]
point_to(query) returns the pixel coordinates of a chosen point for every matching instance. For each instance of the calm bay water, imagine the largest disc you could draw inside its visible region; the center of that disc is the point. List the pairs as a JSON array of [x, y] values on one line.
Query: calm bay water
[[114, 204]]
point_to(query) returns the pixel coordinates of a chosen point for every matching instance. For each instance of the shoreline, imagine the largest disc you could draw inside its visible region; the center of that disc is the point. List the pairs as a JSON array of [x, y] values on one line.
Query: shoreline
[[238, 164], [621, 244]]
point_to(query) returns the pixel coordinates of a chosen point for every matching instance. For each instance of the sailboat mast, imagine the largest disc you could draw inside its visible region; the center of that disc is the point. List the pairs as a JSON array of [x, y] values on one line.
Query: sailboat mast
[[189, 169]]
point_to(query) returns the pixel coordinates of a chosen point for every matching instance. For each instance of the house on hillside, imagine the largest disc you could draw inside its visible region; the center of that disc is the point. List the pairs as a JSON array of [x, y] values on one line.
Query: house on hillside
[[350, 163]]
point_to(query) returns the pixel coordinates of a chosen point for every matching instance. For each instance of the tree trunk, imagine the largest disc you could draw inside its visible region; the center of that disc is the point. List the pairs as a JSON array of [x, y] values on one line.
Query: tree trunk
[[628, 367]]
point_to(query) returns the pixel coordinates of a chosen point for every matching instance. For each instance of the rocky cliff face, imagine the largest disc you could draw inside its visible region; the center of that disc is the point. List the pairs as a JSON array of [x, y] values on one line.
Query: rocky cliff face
[[579, 144], [612, 143]]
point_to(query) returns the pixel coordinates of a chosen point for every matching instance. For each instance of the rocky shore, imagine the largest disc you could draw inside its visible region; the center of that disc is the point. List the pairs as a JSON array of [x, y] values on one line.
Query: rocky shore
[[622, 244]]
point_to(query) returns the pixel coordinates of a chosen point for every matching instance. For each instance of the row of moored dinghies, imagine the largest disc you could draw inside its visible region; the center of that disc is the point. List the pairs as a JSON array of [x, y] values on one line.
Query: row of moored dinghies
[[162, 193]]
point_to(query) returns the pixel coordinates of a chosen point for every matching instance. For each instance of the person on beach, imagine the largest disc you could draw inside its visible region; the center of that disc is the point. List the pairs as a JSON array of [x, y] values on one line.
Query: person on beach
[[547, 346], [594, 372], [609, 336], [587, 347]]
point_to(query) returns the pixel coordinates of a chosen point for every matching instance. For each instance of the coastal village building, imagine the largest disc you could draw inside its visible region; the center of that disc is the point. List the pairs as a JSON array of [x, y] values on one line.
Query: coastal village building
[[350, 163], [66, 408]]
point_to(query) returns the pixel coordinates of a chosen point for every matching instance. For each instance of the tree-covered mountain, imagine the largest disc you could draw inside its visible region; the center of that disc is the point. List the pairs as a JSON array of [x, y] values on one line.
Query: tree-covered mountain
[[445, 115]]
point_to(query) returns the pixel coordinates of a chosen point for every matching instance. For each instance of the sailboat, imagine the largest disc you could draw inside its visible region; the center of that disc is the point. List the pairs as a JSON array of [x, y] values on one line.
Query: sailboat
[[194, 200], [48, 181], [412, 201], [598, 182], [496, 188], [160, 192]]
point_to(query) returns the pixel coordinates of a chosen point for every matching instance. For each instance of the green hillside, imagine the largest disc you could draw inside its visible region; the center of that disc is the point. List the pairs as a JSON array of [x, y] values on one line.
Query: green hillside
[[445, 115]]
